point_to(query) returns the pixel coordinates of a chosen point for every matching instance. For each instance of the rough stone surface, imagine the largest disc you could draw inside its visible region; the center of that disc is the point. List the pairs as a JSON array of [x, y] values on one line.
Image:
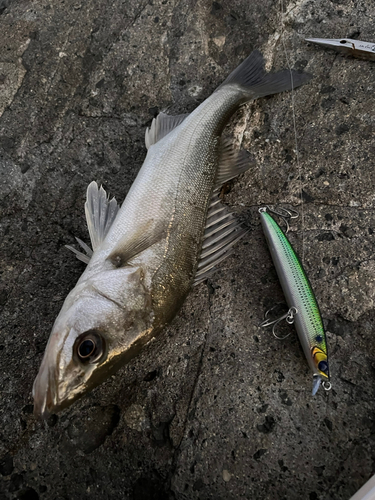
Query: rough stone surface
[[215, 408]]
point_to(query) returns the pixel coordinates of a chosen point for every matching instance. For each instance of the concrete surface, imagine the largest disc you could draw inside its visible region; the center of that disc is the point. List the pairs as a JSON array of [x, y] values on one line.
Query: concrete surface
[[215, 408]]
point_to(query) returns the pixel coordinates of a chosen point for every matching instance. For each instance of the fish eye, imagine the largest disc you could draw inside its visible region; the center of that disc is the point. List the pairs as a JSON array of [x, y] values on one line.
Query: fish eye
[[86, 348], [323, 366], [89, 347]]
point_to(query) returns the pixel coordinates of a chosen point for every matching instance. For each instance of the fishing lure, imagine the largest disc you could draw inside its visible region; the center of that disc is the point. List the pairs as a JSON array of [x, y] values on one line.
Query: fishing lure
[[303, 308]]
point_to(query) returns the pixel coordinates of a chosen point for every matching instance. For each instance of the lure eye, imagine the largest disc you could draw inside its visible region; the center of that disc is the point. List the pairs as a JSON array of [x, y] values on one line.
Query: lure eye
[[89, 347], [318, 338], [323, 367]]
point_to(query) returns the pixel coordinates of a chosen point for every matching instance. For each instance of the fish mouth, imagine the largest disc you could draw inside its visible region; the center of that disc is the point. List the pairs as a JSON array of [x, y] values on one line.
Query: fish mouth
[[45, 394], [47, 400], [50, 394]]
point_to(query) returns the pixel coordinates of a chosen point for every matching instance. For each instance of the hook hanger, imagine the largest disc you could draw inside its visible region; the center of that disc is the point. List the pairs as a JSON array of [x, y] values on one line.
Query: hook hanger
[[283, 213]]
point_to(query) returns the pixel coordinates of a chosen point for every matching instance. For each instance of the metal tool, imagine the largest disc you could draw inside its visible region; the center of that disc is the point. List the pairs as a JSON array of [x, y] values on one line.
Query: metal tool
[[347, 46]]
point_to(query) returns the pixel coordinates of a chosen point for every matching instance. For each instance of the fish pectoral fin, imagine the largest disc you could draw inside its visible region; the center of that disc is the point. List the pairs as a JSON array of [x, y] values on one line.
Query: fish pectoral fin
[[232, 162], [161, 126], [84, 257], [221, 233], [100, 213], [130, 245]]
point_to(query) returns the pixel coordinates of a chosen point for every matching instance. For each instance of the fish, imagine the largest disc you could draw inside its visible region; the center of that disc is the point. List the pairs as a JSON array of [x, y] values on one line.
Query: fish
[[169, 234], [303, 307]]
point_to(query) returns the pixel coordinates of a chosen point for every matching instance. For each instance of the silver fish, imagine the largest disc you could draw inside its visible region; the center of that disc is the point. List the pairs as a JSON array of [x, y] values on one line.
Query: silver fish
[[168, 235]]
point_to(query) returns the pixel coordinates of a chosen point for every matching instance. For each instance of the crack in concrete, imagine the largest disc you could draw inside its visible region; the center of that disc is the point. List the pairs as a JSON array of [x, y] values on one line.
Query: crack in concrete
[[351, 266], [37, 244], [139, 13], [177, 451]]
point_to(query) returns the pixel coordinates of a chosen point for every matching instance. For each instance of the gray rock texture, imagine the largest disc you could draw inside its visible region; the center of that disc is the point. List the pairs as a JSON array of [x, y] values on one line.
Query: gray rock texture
[[215, 408]]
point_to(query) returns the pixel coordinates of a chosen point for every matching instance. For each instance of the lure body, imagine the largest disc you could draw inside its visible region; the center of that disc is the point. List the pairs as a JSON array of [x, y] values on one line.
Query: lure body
[[299, 295]]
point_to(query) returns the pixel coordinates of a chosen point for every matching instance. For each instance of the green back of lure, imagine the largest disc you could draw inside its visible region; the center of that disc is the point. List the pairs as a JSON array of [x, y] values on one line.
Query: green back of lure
[[299, 295]]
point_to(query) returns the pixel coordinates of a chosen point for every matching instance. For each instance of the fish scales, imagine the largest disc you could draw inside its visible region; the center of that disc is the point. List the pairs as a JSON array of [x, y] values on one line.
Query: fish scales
[[194, 191], [189, 159]]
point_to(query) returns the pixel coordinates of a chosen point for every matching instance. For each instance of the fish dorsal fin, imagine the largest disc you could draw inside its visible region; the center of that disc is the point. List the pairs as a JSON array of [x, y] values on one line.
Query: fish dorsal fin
[[100, 213], [221, 233], [232, 162], [161, 126]]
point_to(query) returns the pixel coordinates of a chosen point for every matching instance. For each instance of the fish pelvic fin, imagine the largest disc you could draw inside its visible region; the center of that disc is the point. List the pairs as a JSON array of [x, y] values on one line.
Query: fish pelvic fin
[[251, 76], [161, 126]]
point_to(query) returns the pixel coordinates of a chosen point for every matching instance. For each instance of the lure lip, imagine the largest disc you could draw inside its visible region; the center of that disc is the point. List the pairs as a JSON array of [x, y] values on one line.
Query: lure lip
[[317, 380]]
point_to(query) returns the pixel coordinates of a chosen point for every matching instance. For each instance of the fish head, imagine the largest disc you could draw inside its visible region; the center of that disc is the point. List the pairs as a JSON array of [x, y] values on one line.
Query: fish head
[[103, 323]]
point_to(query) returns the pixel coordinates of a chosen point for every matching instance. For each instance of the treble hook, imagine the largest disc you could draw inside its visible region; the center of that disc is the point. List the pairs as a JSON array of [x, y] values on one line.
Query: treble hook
[[283, 213], [288, 316]]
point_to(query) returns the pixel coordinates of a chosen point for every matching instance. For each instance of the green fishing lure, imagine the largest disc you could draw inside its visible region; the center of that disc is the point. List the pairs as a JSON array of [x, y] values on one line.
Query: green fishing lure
[[303, 308]]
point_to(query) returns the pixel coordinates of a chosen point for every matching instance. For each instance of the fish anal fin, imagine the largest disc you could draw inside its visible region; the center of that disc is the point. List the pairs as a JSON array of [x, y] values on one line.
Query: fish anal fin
[[100, 213], [221, 233], [207, 273], [161, 126], [232, 162]]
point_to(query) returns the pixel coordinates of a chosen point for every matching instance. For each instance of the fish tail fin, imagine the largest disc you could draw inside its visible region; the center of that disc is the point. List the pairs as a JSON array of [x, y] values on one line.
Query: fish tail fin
[[255, 82]]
